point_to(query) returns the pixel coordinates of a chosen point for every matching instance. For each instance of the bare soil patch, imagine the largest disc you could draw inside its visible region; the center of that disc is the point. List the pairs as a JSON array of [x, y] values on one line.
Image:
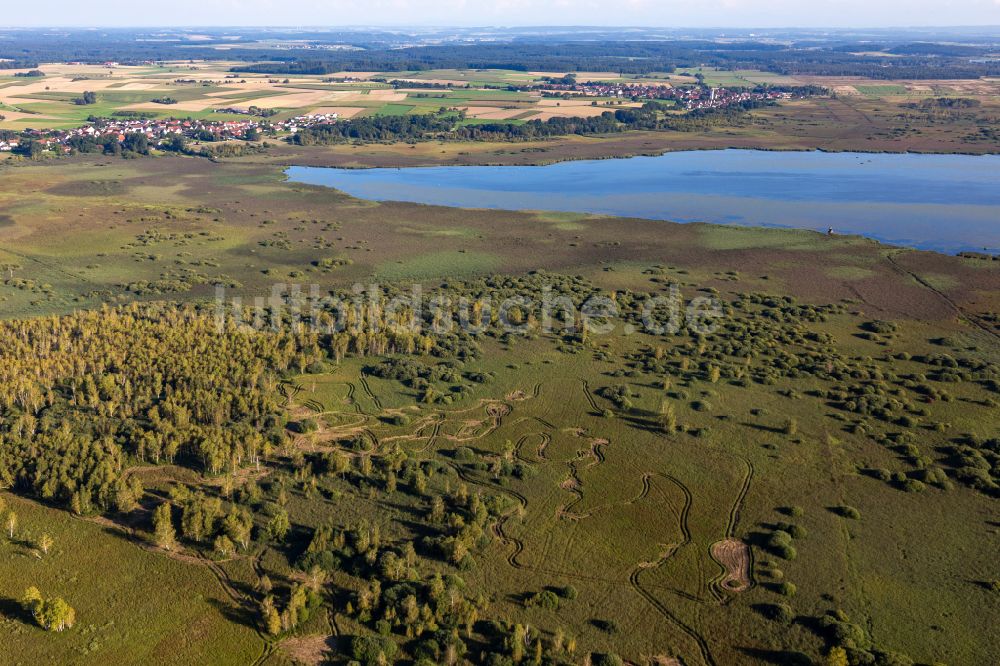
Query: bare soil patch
[[734, 556], [309, 650]]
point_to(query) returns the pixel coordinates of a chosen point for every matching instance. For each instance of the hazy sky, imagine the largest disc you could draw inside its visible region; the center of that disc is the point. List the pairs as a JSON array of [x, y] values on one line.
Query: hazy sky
[[679, 13]]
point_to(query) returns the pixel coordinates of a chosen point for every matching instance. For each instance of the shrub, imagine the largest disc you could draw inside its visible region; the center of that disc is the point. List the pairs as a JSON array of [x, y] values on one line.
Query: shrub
[[569, 592], [316, 368], [778, 612], [840, 632], [607, 626], [796, 531], [880, 327], [465, 454], [546, 599], [845, 511], [787, 589], [304, 427], [780, 543], [880, 473], [369, 649]]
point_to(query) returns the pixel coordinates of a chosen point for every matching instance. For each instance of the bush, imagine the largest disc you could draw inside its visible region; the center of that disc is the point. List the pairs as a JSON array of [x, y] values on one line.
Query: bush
[[786, 589], [796, 531], [368, 649], [546, 599], [316, 368], [303, 427], [880, 327], [778, 612], [607, 626], [892, 659], [845, 511], [465, 454], [778, 539], [569, 592], [880, 473]]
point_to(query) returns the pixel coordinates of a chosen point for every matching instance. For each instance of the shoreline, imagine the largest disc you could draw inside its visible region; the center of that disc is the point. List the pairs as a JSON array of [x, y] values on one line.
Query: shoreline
[[886, 239], [625, 156]]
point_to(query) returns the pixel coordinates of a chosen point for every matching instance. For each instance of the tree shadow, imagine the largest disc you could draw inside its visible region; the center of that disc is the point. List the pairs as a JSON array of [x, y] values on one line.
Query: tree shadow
[[238, 614], [778, 657], [13, 610], [774, 430]]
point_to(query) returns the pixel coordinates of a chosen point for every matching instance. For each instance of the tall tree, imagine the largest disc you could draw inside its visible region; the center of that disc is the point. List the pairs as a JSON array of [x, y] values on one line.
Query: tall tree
[[163, 527]]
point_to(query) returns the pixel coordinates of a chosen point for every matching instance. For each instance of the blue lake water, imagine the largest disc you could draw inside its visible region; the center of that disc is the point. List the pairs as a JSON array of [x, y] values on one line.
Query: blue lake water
[[947, 203]]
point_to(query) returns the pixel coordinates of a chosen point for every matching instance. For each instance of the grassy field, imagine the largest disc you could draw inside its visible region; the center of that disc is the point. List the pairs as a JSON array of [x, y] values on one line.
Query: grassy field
[[83, 231], [607, 497], [133, 606]]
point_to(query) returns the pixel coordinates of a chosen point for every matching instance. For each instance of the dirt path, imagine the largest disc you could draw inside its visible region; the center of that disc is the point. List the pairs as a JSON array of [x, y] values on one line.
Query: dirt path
[[371, 394], [734, 513], [196, 559], [52, 267], [636, 583], [967, 317], [351, 390], [590, 396]]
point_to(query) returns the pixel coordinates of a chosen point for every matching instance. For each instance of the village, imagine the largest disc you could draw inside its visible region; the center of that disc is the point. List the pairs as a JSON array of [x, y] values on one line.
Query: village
[[159, 131], [688, 97]]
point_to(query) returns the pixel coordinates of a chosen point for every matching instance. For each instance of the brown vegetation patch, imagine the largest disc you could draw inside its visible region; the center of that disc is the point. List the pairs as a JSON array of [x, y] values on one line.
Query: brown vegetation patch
[[734, 556], [662, 660], [497, 410], [309, 650]]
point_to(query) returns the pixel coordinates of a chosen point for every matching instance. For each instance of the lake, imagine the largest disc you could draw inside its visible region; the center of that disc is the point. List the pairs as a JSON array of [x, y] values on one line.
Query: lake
[[947, 203]]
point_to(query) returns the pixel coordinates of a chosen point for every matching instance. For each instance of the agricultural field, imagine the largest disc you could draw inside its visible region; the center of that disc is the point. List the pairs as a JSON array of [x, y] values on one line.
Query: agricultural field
[[780, 489], [204, 90]]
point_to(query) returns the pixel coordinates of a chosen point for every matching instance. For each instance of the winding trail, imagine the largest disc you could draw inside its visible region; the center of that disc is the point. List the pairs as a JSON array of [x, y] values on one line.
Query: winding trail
[[498, 528], [646, 486], [735, 558], [734, 513], [590, 396], [546, 440], [351, 390], [539, 451], [368, 391], [636, 582]]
